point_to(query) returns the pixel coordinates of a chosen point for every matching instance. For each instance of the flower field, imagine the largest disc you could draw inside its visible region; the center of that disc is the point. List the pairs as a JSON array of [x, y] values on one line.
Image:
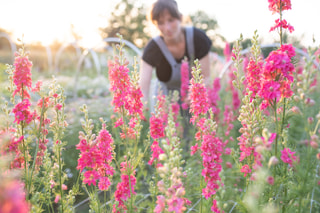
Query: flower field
[[248, 143]]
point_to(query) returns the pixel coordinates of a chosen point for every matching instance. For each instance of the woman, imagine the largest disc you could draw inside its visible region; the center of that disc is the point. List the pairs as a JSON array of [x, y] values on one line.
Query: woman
[[166, 52]]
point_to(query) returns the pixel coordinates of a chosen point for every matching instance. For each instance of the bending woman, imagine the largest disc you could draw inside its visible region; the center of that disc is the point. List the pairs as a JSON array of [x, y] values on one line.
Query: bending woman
[[166, 51]]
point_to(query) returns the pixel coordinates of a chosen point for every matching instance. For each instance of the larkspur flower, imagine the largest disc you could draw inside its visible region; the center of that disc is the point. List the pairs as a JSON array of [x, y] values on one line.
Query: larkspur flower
[[213, 97], [199, 100], [276, 5], [22, 112], [245, 169], [96, 158], [12, 197], [282, 24], [254, 70], [22, 75], [214, 207], [156, 151], [123, 191], [184, 82], [156, 127], [287, 156]]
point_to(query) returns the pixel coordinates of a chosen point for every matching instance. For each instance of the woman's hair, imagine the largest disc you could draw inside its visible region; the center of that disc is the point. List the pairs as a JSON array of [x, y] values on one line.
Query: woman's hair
[[160, 5]]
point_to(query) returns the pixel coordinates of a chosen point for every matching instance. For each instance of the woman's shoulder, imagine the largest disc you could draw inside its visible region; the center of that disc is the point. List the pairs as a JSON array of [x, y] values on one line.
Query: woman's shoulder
[[150, 52], [199, 33]]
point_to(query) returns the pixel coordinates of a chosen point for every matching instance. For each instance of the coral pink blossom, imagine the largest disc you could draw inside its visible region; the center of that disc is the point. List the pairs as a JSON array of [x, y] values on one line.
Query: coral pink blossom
[[213, 97], [214, 207], [161, 202], [12, 197], [212, 148], [199, 100], [276, 5], [123, 191], [22, 75], [22, 112], [270, 180], [184, 82], [96, 158], [245, 169], [254, 70], [156, 127], [282, 24], [156, 151], [194, 149], [287, 156]]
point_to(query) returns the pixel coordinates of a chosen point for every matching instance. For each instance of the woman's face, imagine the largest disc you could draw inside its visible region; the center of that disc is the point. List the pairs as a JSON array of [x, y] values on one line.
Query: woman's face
[[170, 27]]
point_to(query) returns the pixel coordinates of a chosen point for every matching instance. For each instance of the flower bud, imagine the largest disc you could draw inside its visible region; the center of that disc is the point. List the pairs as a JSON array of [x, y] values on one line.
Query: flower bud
[[296, 98], [310, 120], [273, 161], [314, 144], [162, 157], [296, 110]]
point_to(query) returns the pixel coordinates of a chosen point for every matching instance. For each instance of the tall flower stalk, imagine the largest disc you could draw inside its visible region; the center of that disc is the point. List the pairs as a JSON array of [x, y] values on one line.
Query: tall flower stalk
[[211, 145]]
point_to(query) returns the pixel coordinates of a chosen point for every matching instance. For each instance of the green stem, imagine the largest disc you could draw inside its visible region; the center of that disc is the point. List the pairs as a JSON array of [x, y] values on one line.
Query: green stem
[[201, 200], [60, 178], [276, 123], [37, 145]]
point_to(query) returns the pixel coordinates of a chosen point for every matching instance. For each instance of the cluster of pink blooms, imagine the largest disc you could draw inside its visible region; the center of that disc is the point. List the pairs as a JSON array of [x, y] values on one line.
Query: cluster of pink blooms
[[287, 156], [282, 24], [22, 112], [22, 75], [158, 123], [277, 6], [211, 146], [277, 75], [213, 97], [125, 94], [199, 100], [254, 70], [184, 82], [12, 147], [96, 158], [12, 197], [123, 191]]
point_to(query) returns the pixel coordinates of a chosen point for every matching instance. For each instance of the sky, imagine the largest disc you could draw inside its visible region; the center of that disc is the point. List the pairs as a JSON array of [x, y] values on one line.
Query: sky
[[48, 20]]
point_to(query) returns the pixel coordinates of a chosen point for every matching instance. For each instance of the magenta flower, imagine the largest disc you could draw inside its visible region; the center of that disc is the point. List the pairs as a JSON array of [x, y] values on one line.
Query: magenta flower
[[22, 112], [96, 158], [161, 202], [122, 192], [214, 207], [211, 148], [22, 75], [156, 127], [213, 97], [287, 156], [245, 169], [184, 82], [156, 151], [199, 100], [254, 70], [12, 197], [282, 24], [276, 5]]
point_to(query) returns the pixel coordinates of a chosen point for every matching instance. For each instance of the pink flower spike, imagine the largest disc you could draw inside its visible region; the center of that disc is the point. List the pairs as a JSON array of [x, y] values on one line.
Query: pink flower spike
[[245, 169]]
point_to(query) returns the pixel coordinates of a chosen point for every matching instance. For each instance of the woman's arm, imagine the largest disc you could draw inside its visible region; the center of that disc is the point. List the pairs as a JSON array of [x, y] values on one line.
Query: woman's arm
[[145, 80], [205, 69]]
